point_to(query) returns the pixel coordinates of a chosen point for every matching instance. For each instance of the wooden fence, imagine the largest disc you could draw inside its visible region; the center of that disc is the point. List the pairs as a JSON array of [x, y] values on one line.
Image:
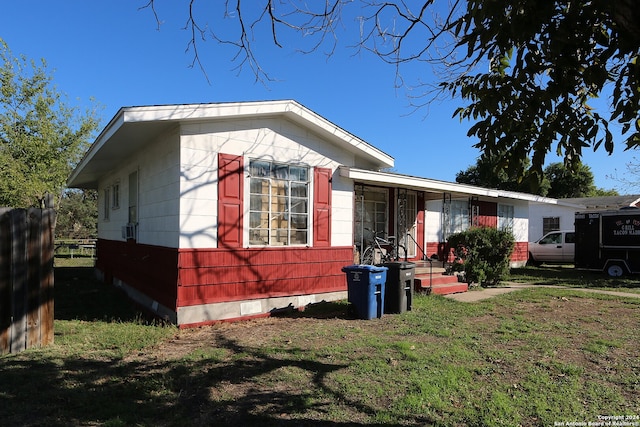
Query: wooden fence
[[26, 278]]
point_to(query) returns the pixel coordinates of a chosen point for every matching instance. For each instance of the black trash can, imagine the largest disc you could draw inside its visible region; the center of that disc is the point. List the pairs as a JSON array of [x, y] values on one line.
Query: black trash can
[[366, 289], [399, 287]]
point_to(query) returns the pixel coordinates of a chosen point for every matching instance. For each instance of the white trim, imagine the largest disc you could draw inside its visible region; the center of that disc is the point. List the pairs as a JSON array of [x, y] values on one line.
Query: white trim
[[426, 184], [112, 127]]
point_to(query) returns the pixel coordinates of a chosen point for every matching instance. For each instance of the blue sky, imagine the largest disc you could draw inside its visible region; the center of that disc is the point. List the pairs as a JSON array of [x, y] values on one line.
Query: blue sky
[[112, 52]]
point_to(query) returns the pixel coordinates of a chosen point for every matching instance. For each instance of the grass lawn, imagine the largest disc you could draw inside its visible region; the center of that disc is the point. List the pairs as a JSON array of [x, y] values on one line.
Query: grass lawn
[[567, 275], [533, 358]]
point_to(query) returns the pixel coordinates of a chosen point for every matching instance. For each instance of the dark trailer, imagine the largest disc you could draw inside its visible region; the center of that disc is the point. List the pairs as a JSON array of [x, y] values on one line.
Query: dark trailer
[[608, 241]]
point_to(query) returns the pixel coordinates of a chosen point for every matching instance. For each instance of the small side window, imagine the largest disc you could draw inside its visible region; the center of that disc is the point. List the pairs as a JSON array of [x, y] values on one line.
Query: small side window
[[570, 238], [115, 203], [550, 224]]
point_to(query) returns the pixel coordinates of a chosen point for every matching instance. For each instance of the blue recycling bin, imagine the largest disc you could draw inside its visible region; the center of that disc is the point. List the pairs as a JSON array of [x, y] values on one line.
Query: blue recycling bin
[[365, 285]]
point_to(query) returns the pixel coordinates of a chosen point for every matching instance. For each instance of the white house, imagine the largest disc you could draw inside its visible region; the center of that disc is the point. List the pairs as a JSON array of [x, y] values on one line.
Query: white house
[[559, 214], [212, 212]]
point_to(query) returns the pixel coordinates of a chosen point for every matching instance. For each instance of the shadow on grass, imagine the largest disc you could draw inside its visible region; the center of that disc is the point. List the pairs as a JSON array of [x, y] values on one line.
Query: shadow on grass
[[321, 310], [569, 276], [85, 391], [80, 296], [235, 390], [227, 384]]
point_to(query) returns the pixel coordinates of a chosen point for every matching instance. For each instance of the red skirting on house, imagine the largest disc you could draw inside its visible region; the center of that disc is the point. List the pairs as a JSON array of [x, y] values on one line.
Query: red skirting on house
[[152, 270], [186, 277], [218, 275], [521, 252]]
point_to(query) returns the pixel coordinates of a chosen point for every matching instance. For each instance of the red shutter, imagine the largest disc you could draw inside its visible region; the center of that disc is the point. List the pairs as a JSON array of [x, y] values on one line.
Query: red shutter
[[230, 180], [487, 214], [322, 207]]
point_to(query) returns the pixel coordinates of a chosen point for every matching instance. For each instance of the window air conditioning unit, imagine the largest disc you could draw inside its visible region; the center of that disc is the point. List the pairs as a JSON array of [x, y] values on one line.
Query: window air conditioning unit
[[129, 231]]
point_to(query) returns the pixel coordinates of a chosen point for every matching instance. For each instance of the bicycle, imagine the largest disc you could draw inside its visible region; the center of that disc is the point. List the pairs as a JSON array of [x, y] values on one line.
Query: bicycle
[[387, 249]]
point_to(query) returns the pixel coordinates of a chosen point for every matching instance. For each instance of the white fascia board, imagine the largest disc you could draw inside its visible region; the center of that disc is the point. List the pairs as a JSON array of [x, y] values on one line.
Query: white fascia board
[[109, 130], [186, 112], [310, 117], [560, 202], [386, 178]]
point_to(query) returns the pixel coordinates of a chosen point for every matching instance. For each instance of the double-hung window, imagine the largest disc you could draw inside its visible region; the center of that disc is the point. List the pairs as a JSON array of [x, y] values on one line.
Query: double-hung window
[[279, 204], [460, 216], [505, 217], [550, 224]]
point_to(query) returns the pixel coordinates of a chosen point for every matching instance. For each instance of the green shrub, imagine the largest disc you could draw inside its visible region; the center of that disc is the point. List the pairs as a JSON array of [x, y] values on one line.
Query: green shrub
[[485, 253]]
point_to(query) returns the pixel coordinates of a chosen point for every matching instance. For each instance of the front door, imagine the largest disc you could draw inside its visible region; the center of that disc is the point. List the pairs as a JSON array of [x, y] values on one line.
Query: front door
[[407, 222]]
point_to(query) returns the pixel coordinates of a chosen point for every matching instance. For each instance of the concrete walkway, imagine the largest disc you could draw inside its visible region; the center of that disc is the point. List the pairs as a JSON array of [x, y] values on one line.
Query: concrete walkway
[[480, 294]]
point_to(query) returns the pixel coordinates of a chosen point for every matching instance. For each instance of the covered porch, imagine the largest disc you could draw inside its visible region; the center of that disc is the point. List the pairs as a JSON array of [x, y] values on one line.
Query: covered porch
[[422, 213]]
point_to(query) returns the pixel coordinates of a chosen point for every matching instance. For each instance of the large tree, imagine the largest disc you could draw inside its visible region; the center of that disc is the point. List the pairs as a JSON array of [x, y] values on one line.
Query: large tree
[[77, 215], [41, 137], [547, 62], [557, 180], [485, 173], [527, 69], [579, 182]]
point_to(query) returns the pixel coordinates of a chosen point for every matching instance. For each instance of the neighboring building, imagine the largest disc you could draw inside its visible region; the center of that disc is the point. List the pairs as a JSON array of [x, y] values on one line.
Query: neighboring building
[[559, 214], [213, 212]]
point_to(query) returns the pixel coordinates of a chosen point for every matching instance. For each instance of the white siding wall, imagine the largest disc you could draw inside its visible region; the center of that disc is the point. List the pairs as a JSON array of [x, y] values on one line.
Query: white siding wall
[[158, 183], [538, 211], [433, 219], [198, 193], [520, 219], [342, 212], [277, 140]]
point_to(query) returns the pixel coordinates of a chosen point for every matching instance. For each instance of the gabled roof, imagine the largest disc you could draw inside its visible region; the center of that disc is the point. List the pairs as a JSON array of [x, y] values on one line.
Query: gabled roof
[[133, 127]]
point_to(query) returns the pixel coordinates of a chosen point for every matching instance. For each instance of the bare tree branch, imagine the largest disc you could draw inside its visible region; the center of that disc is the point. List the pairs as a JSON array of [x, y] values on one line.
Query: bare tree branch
[[195, 29], [526, 69]]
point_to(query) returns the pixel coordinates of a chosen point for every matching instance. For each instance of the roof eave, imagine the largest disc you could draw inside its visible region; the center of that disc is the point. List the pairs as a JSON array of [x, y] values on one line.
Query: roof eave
[[109, 130], [426, 184]]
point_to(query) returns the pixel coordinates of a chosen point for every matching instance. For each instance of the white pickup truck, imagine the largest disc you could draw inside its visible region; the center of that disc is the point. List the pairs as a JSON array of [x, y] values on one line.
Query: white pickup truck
[[555, 247]]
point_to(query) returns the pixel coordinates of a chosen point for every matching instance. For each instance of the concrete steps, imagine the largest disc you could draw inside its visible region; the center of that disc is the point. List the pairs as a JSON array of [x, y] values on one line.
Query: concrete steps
[[431, 279]]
